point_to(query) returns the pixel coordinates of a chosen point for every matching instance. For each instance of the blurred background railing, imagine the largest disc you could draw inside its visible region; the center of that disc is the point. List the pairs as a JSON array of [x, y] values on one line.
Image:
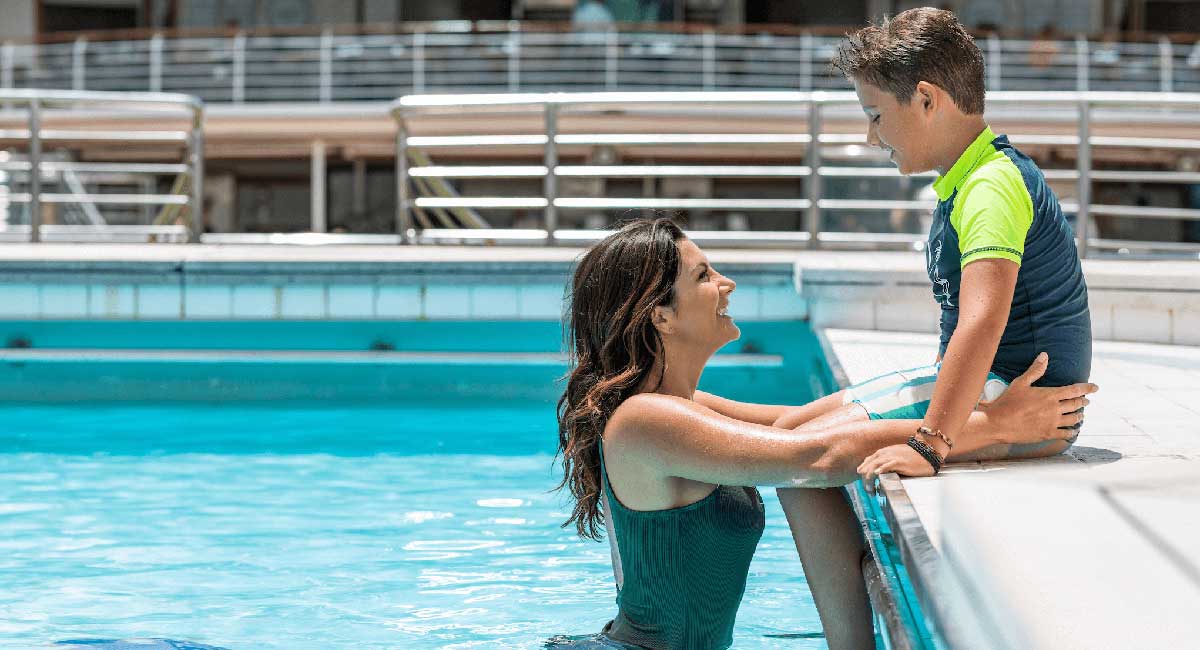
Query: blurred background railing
[[332, 66], [822, 129], [48, 193], [296, 144]]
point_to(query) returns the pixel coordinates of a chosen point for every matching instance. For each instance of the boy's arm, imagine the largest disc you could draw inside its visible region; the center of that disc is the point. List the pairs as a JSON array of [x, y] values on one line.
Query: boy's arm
[[992, 220], [985, 294]]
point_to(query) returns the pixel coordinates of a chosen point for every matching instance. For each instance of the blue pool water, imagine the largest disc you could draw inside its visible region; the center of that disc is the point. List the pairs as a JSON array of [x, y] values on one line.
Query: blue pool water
[[315, 525]]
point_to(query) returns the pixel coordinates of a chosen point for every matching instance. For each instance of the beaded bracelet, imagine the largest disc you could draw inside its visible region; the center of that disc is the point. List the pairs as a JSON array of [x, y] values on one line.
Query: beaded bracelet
[[926, 431], [927, 452]]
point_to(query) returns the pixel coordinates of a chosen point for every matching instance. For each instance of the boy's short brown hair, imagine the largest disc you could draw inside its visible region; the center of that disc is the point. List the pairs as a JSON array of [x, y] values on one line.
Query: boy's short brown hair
[[922, 44]]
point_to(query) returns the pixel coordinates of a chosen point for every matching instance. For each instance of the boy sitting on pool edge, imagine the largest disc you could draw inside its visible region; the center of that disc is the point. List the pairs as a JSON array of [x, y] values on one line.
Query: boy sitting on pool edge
[[1001, 257]]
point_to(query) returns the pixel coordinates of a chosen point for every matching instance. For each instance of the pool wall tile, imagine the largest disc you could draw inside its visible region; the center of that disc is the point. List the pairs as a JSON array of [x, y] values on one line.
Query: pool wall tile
[[255, 302], [540, 301], [158, 301], [1102, 321], [446, 301], [782, 302], [63, 301], [398, 301], [112, 301], [857, 314], [1185, 326], [494, 302], [18, 301], [351, 301], [302, 301], [1138, 324], [207, 301], [745, 303]]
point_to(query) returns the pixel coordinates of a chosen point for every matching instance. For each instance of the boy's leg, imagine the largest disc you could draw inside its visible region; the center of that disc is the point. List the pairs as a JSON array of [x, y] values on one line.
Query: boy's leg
[[798, 415], [829, 538], [906, 395], [831, 546]]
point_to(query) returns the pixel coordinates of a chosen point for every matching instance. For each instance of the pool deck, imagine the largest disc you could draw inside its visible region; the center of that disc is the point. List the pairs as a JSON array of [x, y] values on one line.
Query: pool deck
[[1095, 548]]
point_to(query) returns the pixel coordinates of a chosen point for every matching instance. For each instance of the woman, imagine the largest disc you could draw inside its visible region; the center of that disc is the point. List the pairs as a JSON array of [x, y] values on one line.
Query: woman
[[674, 468]]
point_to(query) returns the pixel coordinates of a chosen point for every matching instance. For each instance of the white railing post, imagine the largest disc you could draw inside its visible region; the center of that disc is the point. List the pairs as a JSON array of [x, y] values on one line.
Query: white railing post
[[709, 63], [1082, 65], [1084, 169], [550, 160], [35, 170], [6, 65], [196, 160], [814, 172], [317, 190], [156, 63], [403, 220], [418, 62], [239, 68], [612, 54], [326, 66], [514, 56], [325, 70], [806, 62], [994, 65], [1166, 65], [78, 69]]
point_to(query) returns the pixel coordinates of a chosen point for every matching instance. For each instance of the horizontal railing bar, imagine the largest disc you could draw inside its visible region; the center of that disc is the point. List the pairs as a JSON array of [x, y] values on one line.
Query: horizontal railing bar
[[684, 138], [98, 168], [1145, 143], [604, 171], [611, 203], [613, 138], [1137, 244], [299, 238], [1144, 176], [1143, 212], [869, 172], [108, 199], [166, 229], [873, 204], [114, 136], [682, 204], [480, 202]]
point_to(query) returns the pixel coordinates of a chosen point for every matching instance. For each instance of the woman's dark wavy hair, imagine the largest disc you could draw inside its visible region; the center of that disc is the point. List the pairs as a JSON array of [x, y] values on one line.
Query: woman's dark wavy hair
[[612, 345]]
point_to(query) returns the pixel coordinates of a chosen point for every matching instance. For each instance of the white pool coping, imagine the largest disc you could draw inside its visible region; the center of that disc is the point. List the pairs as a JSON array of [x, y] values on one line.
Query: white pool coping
[[1097, 548]]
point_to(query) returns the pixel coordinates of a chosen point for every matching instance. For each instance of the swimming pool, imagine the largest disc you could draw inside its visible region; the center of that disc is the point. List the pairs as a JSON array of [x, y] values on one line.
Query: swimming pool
[[423, 520]]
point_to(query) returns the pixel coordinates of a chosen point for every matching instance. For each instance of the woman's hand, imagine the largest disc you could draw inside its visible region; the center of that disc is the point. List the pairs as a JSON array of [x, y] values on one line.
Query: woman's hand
[[1028, 414], [900, 459]]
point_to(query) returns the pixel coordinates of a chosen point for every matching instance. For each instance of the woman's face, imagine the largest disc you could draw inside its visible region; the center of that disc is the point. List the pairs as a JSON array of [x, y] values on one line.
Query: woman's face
[[698, 316]]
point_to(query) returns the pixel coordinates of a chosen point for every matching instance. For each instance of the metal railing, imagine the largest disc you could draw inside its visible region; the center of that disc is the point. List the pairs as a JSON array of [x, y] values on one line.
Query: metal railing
[[602, 115], [58, 116], [332, 66]]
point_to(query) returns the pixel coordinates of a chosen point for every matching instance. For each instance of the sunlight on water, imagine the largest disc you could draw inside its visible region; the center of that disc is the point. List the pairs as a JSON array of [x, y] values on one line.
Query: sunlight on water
[[295, 527]]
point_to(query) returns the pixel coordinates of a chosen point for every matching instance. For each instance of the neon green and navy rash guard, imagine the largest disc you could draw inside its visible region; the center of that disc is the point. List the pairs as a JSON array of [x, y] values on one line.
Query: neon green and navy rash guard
[[994, 203]]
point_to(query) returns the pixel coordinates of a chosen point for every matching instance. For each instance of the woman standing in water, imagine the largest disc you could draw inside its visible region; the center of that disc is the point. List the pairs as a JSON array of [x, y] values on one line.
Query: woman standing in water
[[670, 471]]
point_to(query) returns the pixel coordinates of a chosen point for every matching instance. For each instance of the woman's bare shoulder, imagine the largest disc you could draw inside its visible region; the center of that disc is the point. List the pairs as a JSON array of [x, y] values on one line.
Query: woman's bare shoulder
[[652, 417]]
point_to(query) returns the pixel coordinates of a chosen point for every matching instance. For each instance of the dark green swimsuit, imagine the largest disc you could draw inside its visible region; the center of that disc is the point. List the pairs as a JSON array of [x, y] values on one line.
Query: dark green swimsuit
[[684, 568]]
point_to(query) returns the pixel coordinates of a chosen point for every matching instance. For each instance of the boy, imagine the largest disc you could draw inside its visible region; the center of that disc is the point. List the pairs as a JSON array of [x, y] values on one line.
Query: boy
[[1000, 256]]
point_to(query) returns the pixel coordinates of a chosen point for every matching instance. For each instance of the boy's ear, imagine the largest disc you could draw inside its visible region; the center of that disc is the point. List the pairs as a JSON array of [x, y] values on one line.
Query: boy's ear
[[927, 95]]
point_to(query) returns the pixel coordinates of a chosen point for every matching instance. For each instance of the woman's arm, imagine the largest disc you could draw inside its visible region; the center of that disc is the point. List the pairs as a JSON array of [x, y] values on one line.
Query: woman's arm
[[779, 415], [675, 437], [680, 438]]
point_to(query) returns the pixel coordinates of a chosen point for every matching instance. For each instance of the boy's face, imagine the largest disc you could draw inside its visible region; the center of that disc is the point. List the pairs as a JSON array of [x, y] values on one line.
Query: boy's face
[[903, 129]]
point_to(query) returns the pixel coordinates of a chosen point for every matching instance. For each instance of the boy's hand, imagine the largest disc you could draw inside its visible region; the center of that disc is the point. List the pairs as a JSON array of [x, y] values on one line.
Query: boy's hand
[[1028, 414], [900, 459]]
